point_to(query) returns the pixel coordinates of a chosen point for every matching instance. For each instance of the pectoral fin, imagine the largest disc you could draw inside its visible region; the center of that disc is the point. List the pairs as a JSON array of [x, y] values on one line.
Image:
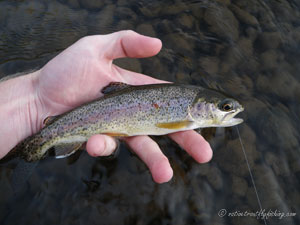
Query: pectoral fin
[[116, 134], [64, 150], [113, 87], [175, 125]]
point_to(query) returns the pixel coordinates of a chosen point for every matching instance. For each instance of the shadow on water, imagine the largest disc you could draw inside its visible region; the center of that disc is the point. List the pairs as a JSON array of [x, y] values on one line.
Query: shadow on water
[[248, 49]]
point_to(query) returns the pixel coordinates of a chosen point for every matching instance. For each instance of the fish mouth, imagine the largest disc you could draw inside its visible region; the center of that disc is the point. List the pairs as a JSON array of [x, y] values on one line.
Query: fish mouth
[[227, 122], [232, 122]]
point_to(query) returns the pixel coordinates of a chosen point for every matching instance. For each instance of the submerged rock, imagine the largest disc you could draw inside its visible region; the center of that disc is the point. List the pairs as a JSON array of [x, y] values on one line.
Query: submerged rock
[[73, 3], [230, 59], [276, 129], [164, 26], [239, 185], [124, 25], [222, 22], [278, 163], [174, 9], [92, 4], [244, 16], [129, 64], [268, 22], [179, 43], [146, 29], [186, 20], [214, 177], [246, 220], [267, 185], [198, 11], [125, 14], [225, 2], [270, 40], [210, 64], [251, 33], [150, 10], [269, 59], [246, 47], [286, 85], [232, 163], [19, 19], [102, 21]]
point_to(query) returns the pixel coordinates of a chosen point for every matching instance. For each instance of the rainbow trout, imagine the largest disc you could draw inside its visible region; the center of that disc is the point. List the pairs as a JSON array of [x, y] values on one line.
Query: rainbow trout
[[126, 110]]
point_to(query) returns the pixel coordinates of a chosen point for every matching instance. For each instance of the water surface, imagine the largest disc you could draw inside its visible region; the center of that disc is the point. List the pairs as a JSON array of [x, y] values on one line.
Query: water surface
[[248, 49]]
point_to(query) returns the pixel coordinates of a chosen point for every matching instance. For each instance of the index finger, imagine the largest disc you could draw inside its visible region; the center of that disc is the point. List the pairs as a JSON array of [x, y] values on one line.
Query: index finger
[[194, 144]]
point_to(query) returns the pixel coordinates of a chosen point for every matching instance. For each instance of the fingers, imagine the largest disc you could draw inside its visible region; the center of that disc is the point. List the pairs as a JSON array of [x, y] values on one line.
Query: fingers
[[101, 145], [129, 44], [143, 146], [194, 144], [150, 153]]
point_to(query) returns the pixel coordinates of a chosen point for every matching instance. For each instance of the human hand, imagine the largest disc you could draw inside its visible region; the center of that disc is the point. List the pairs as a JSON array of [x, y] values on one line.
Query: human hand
[[79, 73]]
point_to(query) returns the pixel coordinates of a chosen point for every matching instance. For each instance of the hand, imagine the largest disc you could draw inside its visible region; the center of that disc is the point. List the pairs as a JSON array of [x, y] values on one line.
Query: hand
[[79, 73]]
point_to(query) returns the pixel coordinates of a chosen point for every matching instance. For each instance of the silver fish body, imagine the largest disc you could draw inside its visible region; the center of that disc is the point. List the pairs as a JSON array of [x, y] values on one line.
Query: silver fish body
[[155, 109]]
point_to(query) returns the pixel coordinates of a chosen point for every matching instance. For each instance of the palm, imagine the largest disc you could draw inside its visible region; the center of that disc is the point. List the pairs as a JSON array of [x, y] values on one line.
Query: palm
[[79, 73]]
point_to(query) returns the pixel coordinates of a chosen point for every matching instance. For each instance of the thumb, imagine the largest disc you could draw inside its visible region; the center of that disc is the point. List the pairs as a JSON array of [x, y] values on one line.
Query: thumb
[[129, 44]]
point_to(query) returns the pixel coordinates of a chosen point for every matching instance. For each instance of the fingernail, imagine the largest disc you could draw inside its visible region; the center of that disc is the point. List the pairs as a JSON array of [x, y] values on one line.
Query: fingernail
[[110, 146]]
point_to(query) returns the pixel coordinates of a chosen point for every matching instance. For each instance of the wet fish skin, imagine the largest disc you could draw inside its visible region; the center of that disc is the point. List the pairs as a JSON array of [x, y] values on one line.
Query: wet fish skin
[[155, 109]]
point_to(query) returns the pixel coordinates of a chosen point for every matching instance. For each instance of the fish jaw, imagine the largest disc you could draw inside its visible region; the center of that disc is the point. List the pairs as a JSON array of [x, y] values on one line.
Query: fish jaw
[[231, 122]]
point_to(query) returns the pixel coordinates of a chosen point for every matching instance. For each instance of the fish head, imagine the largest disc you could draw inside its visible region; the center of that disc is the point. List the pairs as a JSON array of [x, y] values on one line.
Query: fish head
[[215, 110]]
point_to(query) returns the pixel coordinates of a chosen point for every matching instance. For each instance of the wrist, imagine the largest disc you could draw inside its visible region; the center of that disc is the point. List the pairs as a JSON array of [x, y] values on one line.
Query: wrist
[[19, 114]]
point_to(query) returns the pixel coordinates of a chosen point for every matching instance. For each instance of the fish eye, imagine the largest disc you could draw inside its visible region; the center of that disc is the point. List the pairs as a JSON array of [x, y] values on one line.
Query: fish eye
[[226, 105]]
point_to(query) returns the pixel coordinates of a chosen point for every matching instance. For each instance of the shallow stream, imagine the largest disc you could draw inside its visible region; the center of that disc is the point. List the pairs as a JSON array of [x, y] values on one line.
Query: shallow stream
[[248, 49]]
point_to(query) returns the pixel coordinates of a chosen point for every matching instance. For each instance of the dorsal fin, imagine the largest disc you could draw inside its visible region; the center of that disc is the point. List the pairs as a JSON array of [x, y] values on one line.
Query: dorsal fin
[[49, 120], [113, 87]]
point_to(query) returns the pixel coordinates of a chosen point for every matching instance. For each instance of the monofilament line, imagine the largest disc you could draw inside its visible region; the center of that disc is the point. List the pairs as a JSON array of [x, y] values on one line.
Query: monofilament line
[[250, 172]]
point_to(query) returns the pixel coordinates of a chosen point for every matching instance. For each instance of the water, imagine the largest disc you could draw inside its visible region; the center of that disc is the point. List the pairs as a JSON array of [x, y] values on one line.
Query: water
[[248, 49]]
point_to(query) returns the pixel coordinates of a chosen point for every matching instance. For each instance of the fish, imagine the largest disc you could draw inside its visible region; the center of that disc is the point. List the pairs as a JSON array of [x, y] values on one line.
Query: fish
[[127, 110]]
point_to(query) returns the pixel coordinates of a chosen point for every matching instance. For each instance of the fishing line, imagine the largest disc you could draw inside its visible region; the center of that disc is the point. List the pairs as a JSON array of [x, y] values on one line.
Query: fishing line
[[250, 172]]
